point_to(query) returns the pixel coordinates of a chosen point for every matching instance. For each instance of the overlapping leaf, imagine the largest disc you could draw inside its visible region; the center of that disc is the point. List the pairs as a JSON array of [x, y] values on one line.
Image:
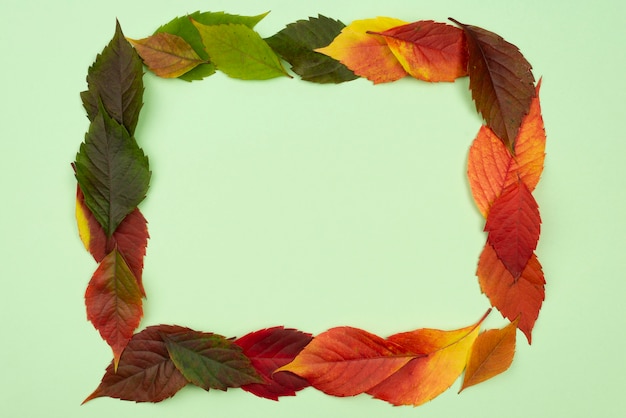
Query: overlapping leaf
[[268, 350], [366, 54], [492, 168], [501, 81], [491, 354], [115, 80], [113, 300], [297, 42], [428, 50], [145, 372], [167, 55], [521, 297], [240, 52]]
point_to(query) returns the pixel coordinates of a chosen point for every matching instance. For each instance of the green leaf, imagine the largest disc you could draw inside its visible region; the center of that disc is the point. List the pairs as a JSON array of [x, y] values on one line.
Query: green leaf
[[296, 44], [210, 361], [116, 79], [182, 26], [112, 171], [240, 52]]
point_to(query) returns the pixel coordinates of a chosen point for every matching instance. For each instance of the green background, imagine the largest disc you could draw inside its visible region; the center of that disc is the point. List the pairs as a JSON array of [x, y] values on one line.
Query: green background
[[288, 203]]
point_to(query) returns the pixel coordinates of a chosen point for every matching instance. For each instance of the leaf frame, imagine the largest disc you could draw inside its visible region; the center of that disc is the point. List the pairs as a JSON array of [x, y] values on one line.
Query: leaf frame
[[404, 344]]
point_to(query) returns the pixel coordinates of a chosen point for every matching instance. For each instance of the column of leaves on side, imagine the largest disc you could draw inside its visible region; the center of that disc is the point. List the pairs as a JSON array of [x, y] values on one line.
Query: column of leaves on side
[[113, 177]]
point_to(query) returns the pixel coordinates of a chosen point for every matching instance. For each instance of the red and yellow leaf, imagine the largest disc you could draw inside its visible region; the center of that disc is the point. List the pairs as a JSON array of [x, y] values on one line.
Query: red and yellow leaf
[[346, 361], [514, 226], [366, 54], [268, 350], [113, 301], [442, 358], [130, 238], [145, 372], [167, 55], [491, 354], [492, 168], [521, 297], [428, 50]]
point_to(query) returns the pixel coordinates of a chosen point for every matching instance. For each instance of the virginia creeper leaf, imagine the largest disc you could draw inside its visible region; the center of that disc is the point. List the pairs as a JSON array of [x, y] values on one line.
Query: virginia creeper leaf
[[501, 81], [492, 168], [112, 171], [145, 372], [346, 361], [491, 354], [268, 350], [210, 360], [514, 226], [295, 44], [443, 356], [240, 52], [521, 297], [115, 78], [167, 55], [428, 50], [130, 238], [113, 301], [366, 54]]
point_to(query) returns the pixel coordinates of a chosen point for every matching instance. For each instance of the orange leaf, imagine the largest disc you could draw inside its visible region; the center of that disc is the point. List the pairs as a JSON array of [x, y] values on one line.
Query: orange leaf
[[443, 357], [491, 354], [366, 54], [113, 301], [514, 225], [492, 168], [167, 55], [130, 237], [514, 298], [429, 51], [346, 361]]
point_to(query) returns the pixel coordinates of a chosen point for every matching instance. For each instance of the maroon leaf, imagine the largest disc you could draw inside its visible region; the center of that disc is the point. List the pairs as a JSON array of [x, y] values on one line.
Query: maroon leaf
[[501, 81], [145, 372], [270, 349]]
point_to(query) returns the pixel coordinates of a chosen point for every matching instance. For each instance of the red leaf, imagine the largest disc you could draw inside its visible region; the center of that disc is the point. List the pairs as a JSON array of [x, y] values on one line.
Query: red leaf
[[521, 297], [492, 354], [130, 237], [270, 349], [443, 356], [514, 226], [346, 361], [501, 81], [491, 167], [145, 372], [428, 50], [113, 301]]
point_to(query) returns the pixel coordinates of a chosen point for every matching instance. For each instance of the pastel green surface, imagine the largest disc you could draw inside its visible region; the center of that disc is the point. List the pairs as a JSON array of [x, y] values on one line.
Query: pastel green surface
[[314, 206]]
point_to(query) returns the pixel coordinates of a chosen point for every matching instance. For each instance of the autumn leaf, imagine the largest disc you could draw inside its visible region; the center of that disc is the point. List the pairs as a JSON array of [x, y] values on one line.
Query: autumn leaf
[[210, 361], [492, 168], [130, 238], [240, 52], [514, 226], [366, 54], [346, 361], [145, 372], [268, 350], [115, 78], [167, 55], [441, 360], [297, 42], [113, 301], [428, 50], [112, 172], [501, 81], [491, 354], [521, 297]]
